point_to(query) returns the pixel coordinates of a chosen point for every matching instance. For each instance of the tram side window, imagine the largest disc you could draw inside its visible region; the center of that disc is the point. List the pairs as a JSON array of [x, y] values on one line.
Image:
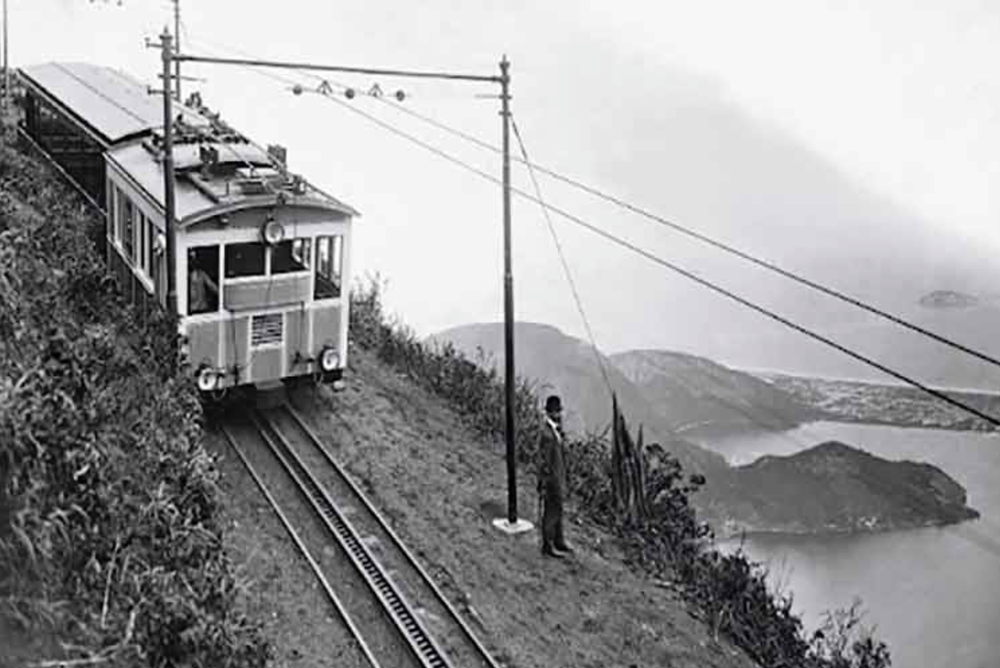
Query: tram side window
[[110, 208], [140, 235], [203, 279], [329, 266], [128, 230], [291, 255], [150, 248], [119, 214], [245, 259]]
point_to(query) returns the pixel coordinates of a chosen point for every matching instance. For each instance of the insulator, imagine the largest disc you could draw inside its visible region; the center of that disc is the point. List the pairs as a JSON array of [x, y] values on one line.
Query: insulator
[[400, 95], [297, 89], [349, 93]]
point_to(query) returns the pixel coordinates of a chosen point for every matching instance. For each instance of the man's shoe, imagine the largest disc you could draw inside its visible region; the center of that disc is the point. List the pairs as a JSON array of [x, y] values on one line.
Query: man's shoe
[[564, 548], [552, 554]]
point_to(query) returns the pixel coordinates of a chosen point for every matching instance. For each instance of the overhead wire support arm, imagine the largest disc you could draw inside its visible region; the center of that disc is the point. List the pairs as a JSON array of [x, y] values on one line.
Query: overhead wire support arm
[[417, 74]]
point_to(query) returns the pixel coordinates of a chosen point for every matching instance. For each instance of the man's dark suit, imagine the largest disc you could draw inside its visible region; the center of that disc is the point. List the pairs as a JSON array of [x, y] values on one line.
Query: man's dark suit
[[552, 485]]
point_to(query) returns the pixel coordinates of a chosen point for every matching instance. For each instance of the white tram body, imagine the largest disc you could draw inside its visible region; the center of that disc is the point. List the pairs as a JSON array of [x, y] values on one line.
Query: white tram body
[[262, 257]]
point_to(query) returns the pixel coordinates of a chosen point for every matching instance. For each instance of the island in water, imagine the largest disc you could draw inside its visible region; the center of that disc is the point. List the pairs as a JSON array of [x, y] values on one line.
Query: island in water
[[836, 488]]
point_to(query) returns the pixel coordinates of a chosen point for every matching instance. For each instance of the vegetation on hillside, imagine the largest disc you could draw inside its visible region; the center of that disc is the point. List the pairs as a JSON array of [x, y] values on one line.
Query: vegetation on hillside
[[729, 591], [110, 543]]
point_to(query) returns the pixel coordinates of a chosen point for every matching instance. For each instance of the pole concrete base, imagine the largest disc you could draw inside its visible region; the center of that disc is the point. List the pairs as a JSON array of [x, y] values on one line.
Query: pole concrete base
[[520, 526]]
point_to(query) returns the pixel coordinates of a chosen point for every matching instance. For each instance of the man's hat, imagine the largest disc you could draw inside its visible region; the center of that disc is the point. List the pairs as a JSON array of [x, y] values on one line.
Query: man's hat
[[553, 404]]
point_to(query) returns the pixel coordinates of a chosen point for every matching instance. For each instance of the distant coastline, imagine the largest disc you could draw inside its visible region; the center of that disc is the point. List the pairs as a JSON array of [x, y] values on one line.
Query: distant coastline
[[768, 372], [867, 402]]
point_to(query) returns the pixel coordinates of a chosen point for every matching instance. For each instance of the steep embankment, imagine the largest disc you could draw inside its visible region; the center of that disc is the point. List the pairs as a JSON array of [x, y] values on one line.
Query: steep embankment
[[440, 485], [110, 544]]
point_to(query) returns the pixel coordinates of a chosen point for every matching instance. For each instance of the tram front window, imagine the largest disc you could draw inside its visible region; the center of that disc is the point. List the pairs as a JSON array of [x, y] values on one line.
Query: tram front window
[[291, 255], [246, 259], [203, 279]]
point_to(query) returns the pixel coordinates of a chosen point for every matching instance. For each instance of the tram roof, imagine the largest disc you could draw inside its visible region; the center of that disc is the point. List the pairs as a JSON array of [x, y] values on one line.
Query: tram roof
[[112, 104], [127, 120], [197, 195]]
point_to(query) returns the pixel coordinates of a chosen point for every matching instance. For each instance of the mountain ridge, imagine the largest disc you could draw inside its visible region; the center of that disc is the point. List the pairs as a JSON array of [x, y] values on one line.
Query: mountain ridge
[[694, 391]]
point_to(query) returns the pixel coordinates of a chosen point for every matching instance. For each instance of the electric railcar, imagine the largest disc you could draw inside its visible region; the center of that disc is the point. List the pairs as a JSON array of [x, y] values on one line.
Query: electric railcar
[[262, 257]]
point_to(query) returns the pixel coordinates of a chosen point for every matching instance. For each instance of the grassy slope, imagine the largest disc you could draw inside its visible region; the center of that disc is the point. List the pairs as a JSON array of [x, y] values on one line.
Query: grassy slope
[[440, 485], [109, 542]]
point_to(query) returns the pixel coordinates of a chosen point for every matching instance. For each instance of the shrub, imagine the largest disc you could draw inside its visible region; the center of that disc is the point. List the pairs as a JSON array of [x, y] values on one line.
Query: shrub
[[842, 642], [475, 390], [729, 590], [109, 537]]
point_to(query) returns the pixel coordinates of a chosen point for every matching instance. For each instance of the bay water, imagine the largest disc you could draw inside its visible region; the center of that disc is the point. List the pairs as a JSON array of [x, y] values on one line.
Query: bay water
[[932, 593]]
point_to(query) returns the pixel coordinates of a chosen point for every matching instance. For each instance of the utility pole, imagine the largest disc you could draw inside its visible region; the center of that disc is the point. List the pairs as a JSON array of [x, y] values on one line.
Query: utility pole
[[177, 46], [508, 299], [510, 523], [6, 64], [167, 51]]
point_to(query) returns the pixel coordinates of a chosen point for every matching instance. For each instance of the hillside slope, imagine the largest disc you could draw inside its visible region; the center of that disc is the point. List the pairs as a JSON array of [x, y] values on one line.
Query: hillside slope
[[102, 468], [565, 365], [691, 391], [440, 486]]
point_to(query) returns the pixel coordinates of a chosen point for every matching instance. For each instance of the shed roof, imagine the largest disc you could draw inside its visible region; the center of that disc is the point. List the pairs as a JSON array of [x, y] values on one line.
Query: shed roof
[[112, 104]]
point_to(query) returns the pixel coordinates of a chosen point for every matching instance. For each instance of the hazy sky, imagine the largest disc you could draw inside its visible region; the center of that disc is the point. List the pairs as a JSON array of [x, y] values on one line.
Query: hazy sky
[[857, 141]]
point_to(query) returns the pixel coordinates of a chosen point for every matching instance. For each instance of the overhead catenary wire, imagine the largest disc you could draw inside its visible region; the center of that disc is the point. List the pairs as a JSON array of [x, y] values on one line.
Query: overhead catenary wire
[[677, 227], [562, 259], [291, 83], [667, 264], [694, 234], [658, 260]]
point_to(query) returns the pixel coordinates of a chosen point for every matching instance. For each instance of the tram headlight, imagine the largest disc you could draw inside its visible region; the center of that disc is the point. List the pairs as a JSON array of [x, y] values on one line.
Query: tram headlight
[[208, 379], [272, 232], [159, 243], [329, 359]]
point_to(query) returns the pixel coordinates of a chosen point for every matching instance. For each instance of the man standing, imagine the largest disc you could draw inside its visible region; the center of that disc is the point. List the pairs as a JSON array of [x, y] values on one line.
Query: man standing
[[552, 480]]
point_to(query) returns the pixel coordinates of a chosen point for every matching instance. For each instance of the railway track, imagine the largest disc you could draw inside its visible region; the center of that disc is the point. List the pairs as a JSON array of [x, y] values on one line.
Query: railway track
[[387, 601]]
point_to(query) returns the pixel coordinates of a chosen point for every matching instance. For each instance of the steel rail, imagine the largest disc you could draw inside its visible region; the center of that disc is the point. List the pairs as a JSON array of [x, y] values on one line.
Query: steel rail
[[341, 610], [424, 647], [480, 648]]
